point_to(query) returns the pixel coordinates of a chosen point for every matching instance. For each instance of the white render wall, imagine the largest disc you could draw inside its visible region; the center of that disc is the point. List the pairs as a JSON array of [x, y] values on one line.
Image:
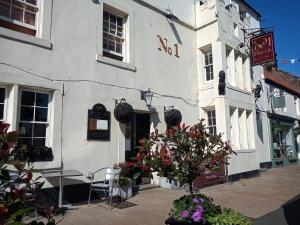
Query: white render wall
[[75, 35], [218, 34], [74, 30]]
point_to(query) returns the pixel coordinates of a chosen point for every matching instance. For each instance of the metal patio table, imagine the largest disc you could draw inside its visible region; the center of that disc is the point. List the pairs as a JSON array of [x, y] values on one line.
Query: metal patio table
[[61, 174]]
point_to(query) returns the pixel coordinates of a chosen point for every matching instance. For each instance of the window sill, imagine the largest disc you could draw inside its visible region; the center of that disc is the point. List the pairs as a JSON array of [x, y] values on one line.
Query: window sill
[[245, 150], [24, 38], [239, 90], [116, 63]]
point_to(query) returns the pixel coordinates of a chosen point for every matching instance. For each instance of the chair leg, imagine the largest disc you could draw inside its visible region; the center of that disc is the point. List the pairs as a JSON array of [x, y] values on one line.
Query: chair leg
[[90, 196], [110, 198]]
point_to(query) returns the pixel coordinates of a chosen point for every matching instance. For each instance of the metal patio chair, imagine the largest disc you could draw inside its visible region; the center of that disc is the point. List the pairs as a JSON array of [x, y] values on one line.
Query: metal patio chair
[[104, 180]]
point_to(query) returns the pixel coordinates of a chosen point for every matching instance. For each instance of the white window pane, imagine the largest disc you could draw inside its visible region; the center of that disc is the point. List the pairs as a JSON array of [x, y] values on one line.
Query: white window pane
[[17, 14], [42, 99], [29, 18], [1, 111], [119, 48], [27, 98], [26, 113], [25, 129], [41, 114], [119, 21], [33, 2], [4, 9], [113, 19], [105, 43], [2, 95], [112, 28], [38, 142], [39, 130], [18, 4], [105, 15], [111, 46]]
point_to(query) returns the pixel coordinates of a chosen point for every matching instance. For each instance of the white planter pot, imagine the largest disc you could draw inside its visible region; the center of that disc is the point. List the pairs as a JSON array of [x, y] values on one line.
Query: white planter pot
[[126, 192], [164, 183]]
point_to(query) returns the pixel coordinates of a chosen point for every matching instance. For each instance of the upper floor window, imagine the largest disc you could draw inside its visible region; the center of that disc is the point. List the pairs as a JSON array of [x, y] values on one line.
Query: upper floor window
[[208, 65], [113, 35], [19, 15], [211, 122], [278, 99], [33, 118], [2, 105]]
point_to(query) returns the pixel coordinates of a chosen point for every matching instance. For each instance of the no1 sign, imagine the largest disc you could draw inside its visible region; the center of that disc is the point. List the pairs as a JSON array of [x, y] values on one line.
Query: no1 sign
[[163, 45]]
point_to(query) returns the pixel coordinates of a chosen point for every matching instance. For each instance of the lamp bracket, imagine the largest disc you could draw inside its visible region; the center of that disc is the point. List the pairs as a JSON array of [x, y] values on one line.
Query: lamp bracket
[[118, 101], [168, 108]]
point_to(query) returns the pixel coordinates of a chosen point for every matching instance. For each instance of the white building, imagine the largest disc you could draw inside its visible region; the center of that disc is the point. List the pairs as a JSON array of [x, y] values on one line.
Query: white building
[[60, 58]]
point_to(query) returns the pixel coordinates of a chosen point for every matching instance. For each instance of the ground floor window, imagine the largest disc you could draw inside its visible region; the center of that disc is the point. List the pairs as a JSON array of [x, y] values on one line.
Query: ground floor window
[[211, 121], [2, 105], [33, 118]]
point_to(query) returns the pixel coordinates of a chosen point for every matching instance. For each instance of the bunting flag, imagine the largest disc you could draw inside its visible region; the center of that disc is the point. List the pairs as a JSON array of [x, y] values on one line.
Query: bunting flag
[[289, 61]]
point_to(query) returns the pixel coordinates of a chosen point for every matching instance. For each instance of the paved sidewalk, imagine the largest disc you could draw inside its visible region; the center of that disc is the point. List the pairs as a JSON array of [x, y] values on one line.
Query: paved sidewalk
[[253, 197]]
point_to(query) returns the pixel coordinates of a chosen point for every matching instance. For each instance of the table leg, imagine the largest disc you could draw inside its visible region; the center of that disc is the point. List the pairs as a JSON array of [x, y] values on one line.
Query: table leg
[[60, 194]]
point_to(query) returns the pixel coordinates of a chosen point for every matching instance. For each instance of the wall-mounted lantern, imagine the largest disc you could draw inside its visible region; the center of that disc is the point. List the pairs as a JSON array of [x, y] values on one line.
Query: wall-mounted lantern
[[173, 116], [147, 97], [98, 123], [123, 111]]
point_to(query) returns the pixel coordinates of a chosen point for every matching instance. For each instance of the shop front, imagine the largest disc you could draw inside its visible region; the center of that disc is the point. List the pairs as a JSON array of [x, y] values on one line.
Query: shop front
[[283, 148]]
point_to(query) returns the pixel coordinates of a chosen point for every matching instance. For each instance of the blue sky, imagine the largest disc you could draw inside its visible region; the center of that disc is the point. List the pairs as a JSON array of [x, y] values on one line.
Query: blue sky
[[285, 17]]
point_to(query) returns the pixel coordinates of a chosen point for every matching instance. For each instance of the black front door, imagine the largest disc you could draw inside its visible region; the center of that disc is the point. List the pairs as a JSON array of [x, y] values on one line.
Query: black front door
[[136, 130]]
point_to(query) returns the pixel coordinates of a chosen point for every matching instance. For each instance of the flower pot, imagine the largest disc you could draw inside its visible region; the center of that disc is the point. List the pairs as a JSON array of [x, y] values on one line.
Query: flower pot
[[172, 221], [126, 192], [164, 183]]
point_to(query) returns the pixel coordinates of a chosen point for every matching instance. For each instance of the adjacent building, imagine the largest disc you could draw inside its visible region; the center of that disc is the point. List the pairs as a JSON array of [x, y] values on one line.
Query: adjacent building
[[60, 60], [278, 118]]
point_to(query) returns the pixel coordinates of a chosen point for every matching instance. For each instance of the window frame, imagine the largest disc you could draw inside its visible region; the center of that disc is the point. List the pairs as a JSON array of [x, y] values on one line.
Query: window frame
[[36, 28], [213, 126], [123, 16], [282, 95], [128, 62], [47, 132], [4, 103], [210, 65]]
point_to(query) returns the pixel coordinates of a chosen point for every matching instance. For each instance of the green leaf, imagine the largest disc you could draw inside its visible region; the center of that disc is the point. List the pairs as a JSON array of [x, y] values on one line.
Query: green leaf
[[136, 175], [19, 214]]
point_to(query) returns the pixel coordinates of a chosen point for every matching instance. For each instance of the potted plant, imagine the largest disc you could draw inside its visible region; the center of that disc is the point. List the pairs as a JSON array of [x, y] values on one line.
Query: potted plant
[[126, 178], [188, 152]]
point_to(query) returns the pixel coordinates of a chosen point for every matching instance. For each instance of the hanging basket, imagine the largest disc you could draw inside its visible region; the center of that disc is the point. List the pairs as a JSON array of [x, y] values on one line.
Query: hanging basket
[[123, 112], [173, 117]]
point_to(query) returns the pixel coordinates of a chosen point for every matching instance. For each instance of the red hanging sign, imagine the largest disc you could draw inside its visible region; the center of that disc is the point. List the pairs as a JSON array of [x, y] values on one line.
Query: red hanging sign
[[262, 49]]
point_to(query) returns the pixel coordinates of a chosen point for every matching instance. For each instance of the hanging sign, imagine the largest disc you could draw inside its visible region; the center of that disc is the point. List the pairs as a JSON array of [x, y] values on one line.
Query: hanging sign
[[262, 49]]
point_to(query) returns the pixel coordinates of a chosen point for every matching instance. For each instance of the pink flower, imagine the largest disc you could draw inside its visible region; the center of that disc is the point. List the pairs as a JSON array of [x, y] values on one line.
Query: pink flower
[[197, 215], [185, 214], [195, 200]]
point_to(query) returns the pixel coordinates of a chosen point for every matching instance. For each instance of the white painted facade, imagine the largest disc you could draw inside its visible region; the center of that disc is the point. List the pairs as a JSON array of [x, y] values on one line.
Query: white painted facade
[[66, 60], [220, 30]]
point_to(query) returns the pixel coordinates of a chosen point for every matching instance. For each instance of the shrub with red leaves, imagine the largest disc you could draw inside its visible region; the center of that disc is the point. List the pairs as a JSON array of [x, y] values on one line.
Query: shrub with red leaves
[[183, 153], [19, 192]]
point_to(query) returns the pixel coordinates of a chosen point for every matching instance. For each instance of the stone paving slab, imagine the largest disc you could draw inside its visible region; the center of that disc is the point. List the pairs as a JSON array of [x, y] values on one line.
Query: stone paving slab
[[253, 197]]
